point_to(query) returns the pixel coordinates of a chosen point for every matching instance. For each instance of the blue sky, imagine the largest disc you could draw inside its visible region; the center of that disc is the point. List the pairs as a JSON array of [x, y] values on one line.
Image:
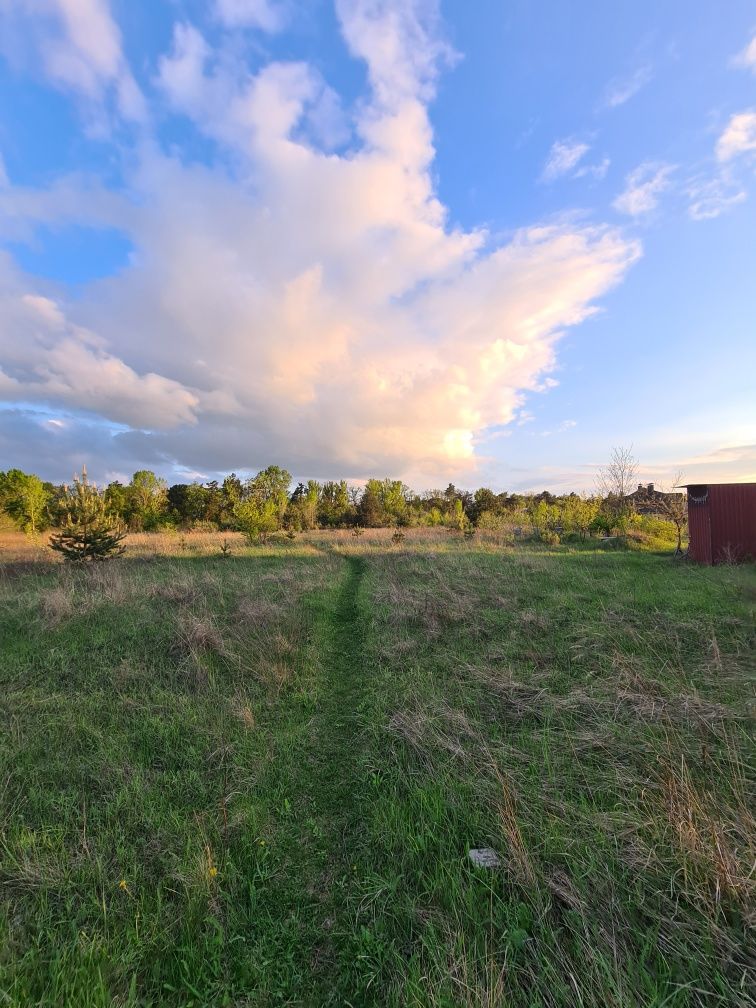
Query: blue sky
[[482, 243]]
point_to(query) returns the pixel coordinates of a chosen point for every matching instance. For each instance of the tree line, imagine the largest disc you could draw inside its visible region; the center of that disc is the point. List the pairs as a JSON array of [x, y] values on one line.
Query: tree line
[[266, 503]]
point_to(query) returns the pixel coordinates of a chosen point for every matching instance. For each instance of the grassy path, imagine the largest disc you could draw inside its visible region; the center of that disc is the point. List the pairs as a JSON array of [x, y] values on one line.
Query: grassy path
[[315, 775], [337, 785]]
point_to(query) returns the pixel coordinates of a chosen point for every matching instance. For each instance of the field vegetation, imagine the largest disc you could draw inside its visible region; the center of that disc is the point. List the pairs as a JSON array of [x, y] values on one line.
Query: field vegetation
[[265, 504], [251, 775]]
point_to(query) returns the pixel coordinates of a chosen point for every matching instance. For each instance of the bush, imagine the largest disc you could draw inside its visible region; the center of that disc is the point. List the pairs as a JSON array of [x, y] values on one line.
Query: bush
[[89, 532], [257, 519], [649, 532], [491, 521]]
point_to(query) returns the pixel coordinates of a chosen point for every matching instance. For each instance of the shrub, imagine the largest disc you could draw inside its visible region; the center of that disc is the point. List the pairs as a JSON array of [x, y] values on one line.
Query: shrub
[[651, 532], [492, 521], [398, 537], [257, 519], [89, 532]]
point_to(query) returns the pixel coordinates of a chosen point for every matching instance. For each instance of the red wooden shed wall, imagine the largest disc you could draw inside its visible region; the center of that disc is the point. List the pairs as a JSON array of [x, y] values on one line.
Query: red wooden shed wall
[[725, 525]]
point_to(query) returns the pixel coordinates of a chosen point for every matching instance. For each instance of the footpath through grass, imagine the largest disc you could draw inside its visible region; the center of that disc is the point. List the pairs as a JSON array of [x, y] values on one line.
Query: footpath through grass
[[254, 781]]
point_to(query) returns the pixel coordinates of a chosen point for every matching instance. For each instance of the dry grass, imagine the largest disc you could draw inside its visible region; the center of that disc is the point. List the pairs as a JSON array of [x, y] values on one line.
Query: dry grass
[[716, 841], [57, 604]]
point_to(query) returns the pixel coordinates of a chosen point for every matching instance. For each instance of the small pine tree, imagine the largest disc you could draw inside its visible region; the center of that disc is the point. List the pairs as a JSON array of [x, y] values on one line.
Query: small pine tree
[[88, 531]]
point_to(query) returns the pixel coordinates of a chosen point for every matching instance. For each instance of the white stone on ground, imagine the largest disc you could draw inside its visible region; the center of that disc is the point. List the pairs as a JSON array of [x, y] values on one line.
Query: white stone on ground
[[484, 857]]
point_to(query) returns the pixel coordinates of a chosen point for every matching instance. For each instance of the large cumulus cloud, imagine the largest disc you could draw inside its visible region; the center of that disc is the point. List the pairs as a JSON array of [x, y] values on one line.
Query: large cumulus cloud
[[301, 297]]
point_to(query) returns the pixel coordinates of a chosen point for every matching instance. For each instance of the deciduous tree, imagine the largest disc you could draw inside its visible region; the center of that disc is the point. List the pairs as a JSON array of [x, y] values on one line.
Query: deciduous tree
[[25, 498]]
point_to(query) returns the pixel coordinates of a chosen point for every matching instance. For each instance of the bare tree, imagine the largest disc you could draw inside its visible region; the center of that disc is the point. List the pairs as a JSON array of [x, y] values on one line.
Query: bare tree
[[617, 478], [674, 507]]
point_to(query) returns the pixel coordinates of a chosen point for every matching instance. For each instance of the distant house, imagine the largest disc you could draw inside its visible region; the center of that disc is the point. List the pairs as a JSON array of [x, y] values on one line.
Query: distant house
[[648, 501], [722, 522]]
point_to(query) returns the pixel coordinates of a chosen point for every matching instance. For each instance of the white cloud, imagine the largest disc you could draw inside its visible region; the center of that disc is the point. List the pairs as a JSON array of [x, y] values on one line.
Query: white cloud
[[401, 43], [243, 110], [597, 171], [738, 136], [643, 187], [622, 89], [45, 358], [564, 426], [268, 15], [292, 304], [563, 157], [746, 59], [714, 196], [78, 45]]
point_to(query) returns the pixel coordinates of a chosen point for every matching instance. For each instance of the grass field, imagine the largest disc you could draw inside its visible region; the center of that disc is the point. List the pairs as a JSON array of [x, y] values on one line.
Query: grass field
[[254, 780]]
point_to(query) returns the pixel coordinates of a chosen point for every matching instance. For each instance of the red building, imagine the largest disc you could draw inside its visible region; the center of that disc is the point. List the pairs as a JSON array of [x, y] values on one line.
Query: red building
[[722, 522]]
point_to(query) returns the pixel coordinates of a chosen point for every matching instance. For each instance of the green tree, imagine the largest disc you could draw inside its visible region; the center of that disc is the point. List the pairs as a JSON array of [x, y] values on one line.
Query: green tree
[[302, 512], [189, 502], [457, 518], [148, 500], [483, 500], [263, 505], [334, 505], [394, 496], [117, 499], [25, 498], [257, 519], [89, 531], [579, 514], [371, 512], [214, 503], [544, 518], [231, 493]]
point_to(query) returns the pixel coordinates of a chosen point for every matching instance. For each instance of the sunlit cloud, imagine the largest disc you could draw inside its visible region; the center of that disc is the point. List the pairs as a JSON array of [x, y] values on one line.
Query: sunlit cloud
[[738, 136], [746, 58], [303, 298]]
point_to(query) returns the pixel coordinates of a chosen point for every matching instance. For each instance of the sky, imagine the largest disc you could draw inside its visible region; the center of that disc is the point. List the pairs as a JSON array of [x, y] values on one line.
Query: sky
[[438, 241]]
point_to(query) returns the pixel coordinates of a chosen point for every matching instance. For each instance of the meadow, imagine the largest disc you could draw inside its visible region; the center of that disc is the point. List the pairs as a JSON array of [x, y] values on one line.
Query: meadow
[[253, 778]]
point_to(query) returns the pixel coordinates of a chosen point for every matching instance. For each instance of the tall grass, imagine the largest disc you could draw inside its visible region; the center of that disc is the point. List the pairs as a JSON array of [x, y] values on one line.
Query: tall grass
[[254, 779]]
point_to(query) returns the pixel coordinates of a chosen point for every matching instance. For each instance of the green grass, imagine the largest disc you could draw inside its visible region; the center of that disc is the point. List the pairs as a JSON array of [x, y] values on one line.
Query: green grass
[[254, 781]]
